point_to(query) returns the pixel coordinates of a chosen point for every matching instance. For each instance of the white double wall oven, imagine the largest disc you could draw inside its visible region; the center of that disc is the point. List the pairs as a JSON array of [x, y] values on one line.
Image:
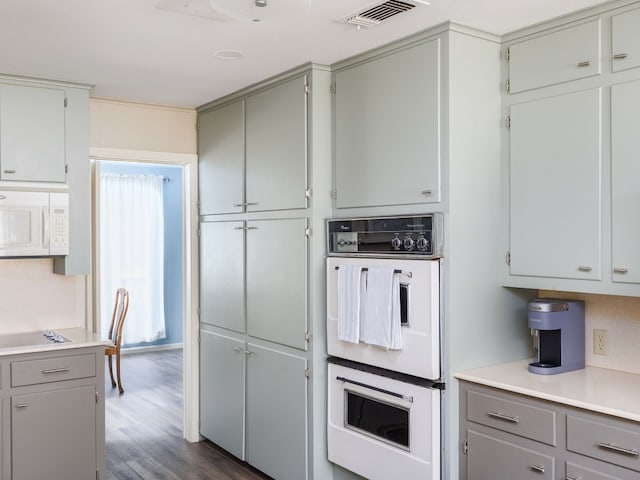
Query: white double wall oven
[[385, 402]]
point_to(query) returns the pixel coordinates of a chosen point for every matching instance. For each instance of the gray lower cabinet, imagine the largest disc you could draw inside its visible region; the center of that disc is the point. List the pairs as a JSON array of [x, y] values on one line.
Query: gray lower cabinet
[[53, 434], [277, 413], [253, 403], [491, 458], [52, 422], [222, 391], [507, 436]]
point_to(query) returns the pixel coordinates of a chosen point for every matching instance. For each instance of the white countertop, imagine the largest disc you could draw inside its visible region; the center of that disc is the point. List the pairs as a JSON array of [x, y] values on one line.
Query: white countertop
[[598, 389], [30, 342]]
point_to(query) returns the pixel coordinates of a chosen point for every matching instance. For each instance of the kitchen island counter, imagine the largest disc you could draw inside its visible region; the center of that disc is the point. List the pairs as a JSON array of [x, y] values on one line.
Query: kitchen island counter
[[601, 390], [31, 342]]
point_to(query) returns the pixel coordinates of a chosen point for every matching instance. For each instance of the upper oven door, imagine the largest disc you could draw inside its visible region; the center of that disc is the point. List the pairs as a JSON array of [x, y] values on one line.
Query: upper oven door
[[420, 318]]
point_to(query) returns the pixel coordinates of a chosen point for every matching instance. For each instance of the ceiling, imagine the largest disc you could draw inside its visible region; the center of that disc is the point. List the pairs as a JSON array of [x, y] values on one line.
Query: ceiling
[[163, 51]]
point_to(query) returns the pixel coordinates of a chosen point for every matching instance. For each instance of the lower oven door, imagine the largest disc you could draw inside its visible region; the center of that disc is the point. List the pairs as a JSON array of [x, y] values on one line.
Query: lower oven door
[[380, 427]]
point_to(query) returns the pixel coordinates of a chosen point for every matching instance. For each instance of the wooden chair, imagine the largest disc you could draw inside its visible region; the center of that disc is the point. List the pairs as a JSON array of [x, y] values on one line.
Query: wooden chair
[[115, 334]]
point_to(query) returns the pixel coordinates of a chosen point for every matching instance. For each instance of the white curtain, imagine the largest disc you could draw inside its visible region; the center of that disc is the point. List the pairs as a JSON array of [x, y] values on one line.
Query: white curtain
[[132, 253]]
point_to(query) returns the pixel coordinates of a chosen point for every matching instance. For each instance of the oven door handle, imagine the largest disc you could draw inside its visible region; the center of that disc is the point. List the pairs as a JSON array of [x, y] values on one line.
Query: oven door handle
[[377, 389]]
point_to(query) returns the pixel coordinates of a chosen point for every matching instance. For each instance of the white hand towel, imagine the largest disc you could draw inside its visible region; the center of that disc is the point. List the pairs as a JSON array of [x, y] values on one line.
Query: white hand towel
[[380, 321], [349, 293]]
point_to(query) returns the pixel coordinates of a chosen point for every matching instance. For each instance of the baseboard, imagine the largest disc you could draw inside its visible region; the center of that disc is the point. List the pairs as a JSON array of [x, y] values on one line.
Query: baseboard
[[151, 348]]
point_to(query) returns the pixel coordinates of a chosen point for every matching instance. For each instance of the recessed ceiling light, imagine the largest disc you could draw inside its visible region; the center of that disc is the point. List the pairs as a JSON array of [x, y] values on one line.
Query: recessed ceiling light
[[228, 55]]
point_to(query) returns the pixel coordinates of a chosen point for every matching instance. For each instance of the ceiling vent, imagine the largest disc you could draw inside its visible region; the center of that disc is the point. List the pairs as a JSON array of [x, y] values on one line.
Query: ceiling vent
[[376, 14]]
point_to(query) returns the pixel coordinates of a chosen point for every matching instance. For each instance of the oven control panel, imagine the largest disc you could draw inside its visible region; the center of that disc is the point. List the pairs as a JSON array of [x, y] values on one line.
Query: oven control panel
[[412, 235]]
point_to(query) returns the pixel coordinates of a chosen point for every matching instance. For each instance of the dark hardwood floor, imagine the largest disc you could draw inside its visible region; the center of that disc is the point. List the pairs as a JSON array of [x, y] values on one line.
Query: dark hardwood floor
[[144, 427]]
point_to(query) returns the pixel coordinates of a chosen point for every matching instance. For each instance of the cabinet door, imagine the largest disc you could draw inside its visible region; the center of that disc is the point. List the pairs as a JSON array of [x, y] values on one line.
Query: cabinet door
[[387, 129], [32, 144], [491, 458], [277, 281], [277, 413], [580, 473], [556, 186], [557, 57], [625, 188], [222, 274], [276, 143], [53, 434], [625, 40], [222, 366], [221, 159]]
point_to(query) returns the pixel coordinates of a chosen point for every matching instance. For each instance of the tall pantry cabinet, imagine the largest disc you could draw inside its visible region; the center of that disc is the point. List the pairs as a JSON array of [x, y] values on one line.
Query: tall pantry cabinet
[[264, 194]]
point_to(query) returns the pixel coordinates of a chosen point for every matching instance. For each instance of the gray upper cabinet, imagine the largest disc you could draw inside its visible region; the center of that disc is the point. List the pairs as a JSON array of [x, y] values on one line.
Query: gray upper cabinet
[[276, 147], [625, 188], [32, 133], [222, 274], [277, 428], [222, 393], [387, 129], [625, 40], [556, 186], [221, 159], [277, 281], [558, 57]]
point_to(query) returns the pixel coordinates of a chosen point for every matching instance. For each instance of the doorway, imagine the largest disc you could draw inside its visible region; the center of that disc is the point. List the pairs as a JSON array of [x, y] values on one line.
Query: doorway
[[188, 276]]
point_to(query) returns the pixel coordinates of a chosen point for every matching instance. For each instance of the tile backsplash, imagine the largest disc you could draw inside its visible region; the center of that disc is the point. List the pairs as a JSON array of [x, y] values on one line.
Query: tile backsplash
[[620, 316]]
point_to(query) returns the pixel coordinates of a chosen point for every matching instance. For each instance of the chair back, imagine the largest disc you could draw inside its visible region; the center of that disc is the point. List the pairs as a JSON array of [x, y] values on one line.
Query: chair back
[[119, 314]]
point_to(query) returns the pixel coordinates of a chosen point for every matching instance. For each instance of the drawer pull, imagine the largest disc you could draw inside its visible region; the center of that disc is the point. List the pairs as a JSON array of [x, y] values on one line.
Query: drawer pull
[[584, 268], [620, 270], [537, 468], [55, 370], [502, 416], [584, 64], [21, 405], [9, 171], [623, 451], [620, 56]]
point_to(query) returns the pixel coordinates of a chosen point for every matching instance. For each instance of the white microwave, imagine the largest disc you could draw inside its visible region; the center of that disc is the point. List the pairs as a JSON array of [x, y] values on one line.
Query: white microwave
[[34, 223]]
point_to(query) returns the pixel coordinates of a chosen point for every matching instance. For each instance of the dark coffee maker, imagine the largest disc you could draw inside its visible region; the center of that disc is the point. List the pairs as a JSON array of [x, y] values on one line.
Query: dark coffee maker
[[560, 333]]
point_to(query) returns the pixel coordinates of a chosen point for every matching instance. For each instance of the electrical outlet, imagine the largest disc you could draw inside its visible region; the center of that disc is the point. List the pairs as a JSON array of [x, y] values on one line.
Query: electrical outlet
[[600, 342]]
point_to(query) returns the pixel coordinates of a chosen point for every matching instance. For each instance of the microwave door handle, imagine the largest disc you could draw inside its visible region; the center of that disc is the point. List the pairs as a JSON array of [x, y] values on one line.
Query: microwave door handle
[[45, 229]]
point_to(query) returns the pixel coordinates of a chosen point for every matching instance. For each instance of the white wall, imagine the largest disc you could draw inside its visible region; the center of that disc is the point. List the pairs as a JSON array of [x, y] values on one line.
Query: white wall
[[34, 298], [620, 316]]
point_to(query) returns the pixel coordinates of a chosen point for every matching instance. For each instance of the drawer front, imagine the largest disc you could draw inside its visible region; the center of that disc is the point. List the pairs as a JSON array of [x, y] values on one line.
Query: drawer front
[[513, 417], [605, 442], [31, 372], [491, 459], [558, 57], [575, 472]]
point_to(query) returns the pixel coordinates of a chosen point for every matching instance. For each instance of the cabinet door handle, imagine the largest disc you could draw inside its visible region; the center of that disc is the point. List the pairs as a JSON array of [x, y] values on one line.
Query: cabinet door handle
[[537, 468], [9, 171], [620, 56], [426, 193], [240, 204], [502, 416], [623, 451], [251, 203], [251, 228], [584, 64], [584, 268], [55, 370], [620, 270], [21, 405]]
